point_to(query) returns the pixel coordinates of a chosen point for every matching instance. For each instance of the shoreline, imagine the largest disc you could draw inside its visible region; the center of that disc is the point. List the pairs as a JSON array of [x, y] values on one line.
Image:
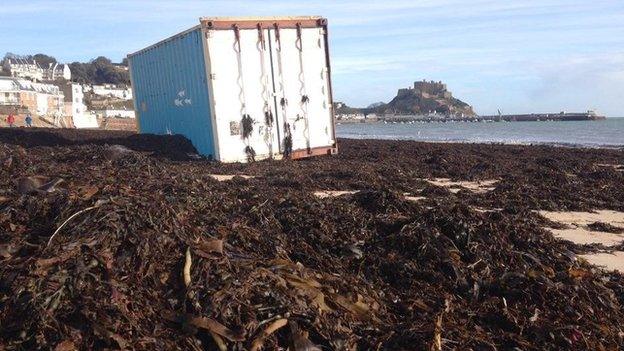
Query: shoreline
[[607, 134], [502, 143], [72, 133], [461, 120]]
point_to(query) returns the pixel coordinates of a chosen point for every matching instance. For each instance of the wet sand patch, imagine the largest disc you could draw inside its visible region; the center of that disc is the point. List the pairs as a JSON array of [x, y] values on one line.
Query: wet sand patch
[[486, 210], [582, 236], [482, 186], [226, 177], [324, 194], [617, 167], [608, 260], [614, 218], [577, 228], [579, 231], [414, 198]]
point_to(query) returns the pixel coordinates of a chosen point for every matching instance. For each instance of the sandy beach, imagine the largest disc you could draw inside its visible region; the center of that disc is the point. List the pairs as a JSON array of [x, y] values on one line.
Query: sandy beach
[[115, 240]]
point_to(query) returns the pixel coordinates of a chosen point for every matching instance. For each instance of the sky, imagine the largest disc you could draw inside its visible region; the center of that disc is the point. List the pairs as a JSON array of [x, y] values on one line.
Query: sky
[[516, 56]]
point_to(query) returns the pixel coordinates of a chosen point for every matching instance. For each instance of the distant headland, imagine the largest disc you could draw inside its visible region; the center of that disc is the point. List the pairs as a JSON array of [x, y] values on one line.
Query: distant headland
[[431, 101]]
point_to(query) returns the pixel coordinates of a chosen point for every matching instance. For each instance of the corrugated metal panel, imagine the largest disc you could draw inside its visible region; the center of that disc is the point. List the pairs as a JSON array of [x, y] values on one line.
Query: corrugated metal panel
[[302, 73], [242, 88], [171, 90]]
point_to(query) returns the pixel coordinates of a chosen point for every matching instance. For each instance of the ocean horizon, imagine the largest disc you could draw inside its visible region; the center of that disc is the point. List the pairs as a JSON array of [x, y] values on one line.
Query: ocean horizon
[[608, 133]]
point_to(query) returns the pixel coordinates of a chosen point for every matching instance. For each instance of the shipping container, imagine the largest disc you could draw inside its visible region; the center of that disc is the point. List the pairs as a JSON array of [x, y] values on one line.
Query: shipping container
[[240, 88]]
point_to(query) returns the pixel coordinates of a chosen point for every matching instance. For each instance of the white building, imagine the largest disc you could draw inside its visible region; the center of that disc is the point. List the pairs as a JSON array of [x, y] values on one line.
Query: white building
[[111, 90], [57, 71], [115, 113], [38, 98], [76, 108], [23, 68], [9, 92], [351, 116], [30, 69]]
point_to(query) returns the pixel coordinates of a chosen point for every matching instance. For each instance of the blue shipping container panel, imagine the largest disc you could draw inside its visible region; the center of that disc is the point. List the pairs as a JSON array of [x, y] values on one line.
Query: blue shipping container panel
[[171, 90]]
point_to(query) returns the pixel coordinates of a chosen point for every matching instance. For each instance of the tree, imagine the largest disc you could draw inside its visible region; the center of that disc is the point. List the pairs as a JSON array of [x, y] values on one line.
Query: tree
[[104, 71], [44, 60], [79, 72], [97, 71], [10, 55]]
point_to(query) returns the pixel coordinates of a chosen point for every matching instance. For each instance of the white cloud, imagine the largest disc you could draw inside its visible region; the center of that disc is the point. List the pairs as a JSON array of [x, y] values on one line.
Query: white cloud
[[350, 65], [584, 82]]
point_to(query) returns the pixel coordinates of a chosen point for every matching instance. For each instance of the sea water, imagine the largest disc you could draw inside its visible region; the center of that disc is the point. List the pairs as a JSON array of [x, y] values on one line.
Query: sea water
[[601, 133]]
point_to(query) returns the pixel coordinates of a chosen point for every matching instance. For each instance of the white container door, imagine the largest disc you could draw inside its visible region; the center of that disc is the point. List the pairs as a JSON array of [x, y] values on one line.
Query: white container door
[[242, 91], [302, 88]]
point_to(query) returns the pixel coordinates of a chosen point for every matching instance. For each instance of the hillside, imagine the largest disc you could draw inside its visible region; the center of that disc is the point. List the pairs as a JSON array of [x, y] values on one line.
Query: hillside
[[343, 109], [100, 70], [424, 98]]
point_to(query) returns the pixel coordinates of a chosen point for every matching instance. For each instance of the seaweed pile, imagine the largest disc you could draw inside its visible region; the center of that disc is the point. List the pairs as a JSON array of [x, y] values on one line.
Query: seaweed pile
[[107, 242]]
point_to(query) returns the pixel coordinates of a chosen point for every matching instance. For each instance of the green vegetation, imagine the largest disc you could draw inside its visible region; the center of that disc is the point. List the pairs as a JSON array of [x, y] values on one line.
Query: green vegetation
[[425, 98], [42, 59], [97, 71], [343, 109]]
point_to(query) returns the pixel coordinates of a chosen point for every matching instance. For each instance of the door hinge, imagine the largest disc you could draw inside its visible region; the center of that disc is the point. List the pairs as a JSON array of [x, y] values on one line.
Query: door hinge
[[213, 76], [208, 34]]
